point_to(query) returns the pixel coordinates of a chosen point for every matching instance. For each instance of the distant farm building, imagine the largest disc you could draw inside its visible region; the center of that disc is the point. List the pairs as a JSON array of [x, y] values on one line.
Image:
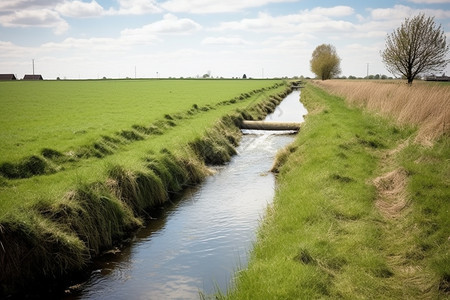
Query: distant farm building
[[7, 77], [33, 77], [437, 78]]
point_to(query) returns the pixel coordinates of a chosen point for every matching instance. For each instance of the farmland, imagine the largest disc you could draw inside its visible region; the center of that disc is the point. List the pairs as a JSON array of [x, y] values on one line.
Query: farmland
[[82, 161], [67, 114]]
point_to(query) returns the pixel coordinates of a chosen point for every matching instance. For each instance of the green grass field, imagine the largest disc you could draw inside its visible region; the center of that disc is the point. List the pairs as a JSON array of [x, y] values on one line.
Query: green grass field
[[85, 125], [84, 161], [65, 115]]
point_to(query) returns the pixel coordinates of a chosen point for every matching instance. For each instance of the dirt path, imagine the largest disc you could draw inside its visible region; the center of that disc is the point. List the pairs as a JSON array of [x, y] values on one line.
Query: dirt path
[[409, 278]]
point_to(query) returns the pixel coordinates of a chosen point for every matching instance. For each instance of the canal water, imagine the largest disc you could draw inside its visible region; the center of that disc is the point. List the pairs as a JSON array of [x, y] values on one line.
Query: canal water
[[197, 245]]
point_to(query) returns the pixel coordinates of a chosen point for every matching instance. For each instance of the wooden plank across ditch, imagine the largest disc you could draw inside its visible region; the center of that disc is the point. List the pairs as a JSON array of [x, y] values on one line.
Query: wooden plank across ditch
[[265, 125]]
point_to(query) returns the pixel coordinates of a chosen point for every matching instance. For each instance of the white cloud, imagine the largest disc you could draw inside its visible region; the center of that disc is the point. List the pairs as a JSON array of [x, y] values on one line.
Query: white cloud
[[316, 20], [128, 38], [294, 43], [400, 12], [430, 1], [9, 51], [100, 45], [337, 11], [91, 45], [79, 9], [169, 25], [234, 41], [136, 7], [262, 22], [330, 26], [11, 5], [214, 6], [35, 18]]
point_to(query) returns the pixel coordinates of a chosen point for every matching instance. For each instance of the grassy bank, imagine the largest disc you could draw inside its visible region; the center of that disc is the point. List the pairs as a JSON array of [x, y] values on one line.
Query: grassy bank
[[53, 223], [361, 212], [424, 104]]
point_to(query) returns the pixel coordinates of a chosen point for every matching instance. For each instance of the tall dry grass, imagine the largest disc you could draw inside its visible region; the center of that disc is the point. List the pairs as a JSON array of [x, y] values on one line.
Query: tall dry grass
[[423, 104]]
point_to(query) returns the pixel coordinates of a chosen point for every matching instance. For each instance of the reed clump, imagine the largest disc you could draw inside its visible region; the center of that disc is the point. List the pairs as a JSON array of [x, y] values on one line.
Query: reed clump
[[424, 105]]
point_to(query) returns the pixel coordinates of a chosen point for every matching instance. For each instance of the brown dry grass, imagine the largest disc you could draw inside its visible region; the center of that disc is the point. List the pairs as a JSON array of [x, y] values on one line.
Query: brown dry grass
[[423, 104], [391, 193]]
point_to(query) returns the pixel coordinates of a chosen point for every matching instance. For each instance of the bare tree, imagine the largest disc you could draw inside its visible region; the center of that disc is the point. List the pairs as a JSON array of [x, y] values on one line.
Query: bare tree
[[325, 62], [416, 47]]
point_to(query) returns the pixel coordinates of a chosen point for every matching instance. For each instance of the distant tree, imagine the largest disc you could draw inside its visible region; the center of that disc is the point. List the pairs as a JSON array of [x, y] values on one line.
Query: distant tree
[[325, 62], [351, 77], [244, 76], [416, 47]]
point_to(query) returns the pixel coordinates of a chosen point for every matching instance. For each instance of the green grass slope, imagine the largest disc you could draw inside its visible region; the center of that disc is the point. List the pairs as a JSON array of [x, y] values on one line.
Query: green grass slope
[[361, 212]]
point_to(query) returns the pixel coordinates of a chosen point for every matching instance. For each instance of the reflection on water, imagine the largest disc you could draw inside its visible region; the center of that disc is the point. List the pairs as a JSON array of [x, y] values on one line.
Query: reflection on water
[[289, 110], [199, 242]]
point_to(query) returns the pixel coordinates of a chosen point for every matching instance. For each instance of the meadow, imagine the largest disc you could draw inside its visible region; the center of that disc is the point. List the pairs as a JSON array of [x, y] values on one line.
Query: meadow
[[88, 160], [65, 115], [362, 205]]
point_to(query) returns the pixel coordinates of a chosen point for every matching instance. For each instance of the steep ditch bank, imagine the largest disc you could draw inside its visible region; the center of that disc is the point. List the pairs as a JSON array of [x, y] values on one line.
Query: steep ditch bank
[[197, 242], [63, 236]]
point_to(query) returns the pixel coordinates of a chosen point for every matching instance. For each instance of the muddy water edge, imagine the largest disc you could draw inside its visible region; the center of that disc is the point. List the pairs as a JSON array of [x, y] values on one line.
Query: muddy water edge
[[196, 244]]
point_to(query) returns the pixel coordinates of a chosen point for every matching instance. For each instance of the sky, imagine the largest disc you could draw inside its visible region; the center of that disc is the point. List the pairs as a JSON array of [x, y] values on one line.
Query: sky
[[79, 39]]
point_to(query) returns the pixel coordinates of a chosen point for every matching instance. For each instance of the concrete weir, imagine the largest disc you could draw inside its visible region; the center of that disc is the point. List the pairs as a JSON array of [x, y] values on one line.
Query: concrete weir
[[266, 125]]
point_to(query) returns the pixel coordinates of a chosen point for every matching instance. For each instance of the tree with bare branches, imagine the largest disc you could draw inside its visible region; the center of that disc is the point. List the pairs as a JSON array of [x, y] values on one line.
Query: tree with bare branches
[[416, 47]]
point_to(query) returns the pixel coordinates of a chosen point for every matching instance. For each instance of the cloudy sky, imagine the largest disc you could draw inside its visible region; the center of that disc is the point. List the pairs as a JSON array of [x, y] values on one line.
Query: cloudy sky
[[187, 38]]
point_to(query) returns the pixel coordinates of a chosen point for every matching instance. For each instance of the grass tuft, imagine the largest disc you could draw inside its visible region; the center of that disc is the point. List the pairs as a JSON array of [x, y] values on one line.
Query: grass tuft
[[343, 179], [137, 190], [305, 257], [130, 135], [30, 166], [51, 153]]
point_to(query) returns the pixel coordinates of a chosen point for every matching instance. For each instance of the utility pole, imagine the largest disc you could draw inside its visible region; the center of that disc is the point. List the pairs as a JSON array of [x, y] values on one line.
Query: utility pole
[[367, 70], [33, 64], [134, 72]]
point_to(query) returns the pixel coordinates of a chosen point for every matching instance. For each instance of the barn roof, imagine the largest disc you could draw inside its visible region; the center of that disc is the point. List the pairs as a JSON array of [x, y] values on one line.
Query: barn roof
[[33, 77], [7, 77]]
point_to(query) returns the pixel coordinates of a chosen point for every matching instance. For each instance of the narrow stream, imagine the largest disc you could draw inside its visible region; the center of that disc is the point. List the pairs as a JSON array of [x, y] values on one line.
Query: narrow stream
[[199, 243]]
